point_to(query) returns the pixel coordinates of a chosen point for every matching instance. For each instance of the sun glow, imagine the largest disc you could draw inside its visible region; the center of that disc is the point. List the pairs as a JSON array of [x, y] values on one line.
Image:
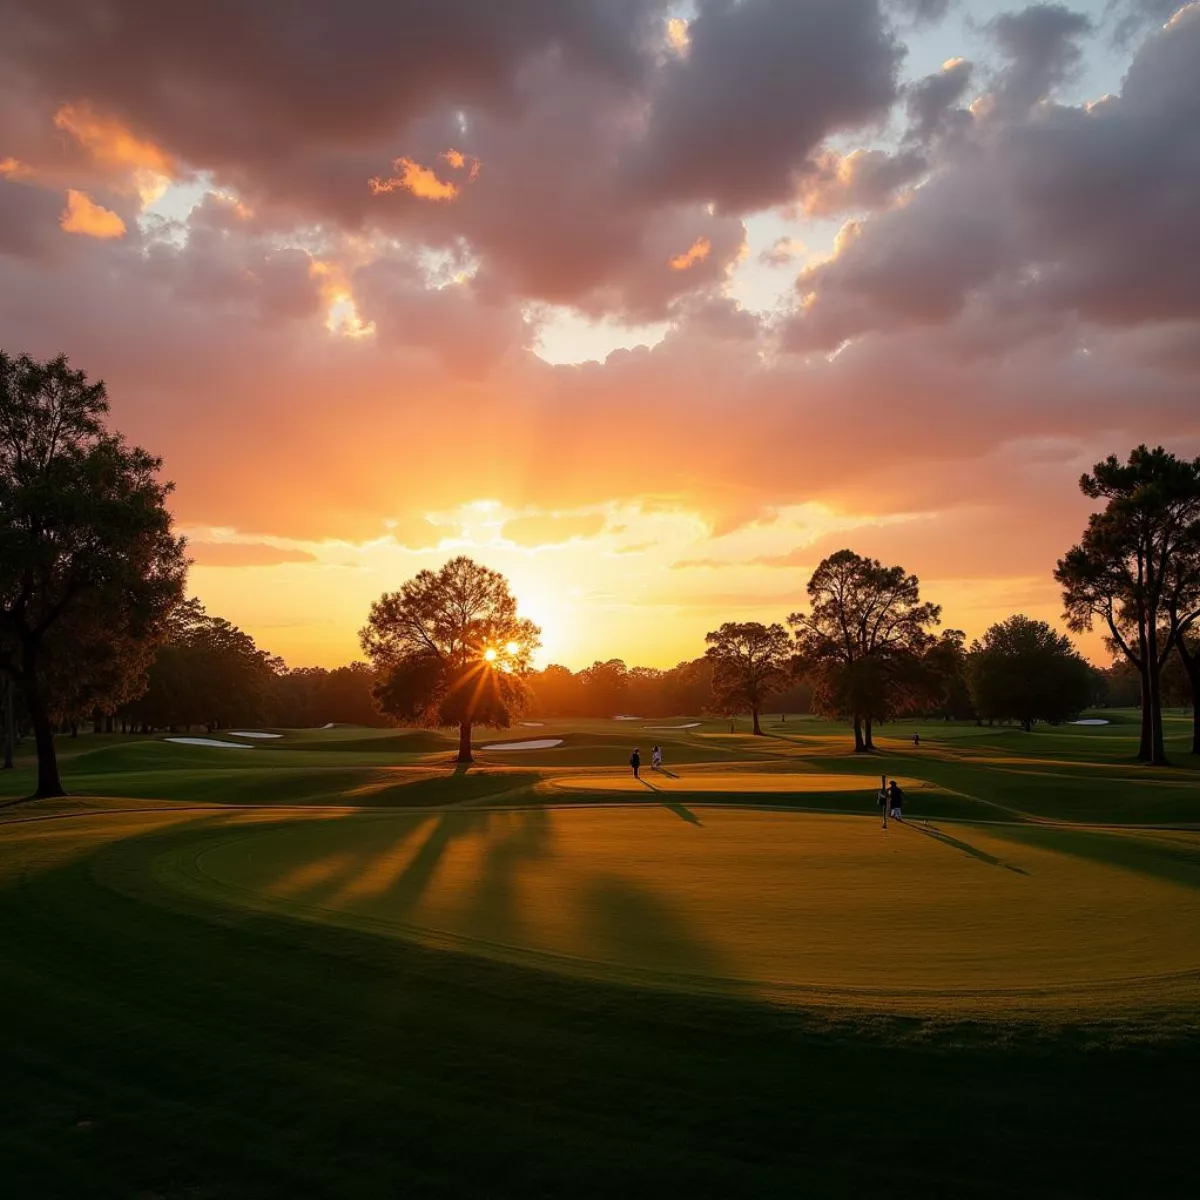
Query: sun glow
[[489, 655], [512, 648]]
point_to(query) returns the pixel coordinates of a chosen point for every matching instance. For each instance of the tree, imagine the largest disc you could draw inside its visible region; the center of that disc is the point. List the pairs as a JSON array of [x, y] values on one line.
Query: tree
[[1188, 647], [863, 641], [1022, 670], [751, 663], [90, 570], [946, 673], [450, 649], [1137, 568]]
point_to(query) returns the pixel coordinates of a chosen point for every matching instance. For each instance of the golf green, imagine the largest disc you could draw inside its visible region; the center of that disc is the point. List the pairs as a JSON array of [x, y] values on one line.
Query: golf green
[[786, 907]]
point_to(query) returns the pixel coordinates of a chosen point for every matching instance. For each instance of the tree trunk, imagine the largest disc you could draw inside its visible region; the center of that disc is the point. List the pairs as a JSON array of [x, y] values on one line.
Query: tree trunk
[[757, 730], [9, 721], [868, 739], [48, 782], [1027, 724], [858, 735], [464, 743], [1191, 667], [1158, 749], [1143, 754]]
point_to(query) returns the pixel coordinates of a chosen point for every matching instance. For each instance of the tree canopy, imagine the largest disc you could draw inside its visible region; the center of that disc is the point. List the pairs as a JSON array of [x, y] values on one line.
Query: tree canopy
[[751, 663], [1022, 670], [90, 570], [1137, 568], [863, 640], [450, 649]]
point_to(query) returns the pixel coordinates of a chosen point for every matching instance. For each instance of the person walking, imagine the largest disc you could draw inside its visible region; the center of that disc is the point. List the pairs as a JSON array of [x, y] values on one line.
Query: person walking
[[883, 799], [635, 761], [656, 758], [896, 797], [916, 740]]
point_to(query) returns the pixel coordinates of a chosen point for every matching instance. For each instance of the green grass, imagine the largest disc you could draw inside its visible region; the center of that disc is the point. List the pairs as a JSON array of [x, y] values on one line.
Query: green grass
[[335, 966]]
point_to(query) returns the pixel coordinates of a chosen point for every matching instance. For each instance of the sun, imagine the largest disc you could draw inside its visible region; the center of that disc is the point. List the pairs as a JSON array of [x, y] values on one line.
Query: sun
[[489, 655], [511, 648]]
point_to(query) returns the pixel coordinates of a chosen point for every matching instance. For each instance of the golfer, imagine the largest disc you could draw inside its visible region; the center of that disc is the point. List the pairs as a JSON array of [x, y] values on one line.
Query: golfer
[[656, 758], [635, 761], [896, 797]]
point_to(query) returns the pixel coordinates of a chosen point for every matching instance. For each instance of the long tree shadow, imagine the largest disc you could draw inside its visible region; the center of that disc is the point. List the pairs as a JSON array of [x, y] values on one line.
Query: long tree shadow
[[510, 842], [938, 835], [630, 926], [674, 806]]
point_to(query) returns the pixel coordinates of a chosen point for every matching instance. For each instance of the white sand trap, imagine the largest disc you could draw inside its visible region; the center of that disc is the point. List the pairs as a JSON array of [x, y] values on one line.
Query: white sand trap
[[251, 734], [627, 718], [727, 782], [209, 742], [1091, 721], [329, 726], [664, 728], [532, 724], [536, 744]]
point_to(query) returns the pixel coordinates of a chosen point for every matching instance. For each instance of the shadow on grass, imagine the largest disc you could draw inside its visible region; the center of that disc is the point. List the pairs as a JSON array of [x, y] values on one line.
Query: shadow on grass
[[1159, 857], [937, 835], [678, 809]]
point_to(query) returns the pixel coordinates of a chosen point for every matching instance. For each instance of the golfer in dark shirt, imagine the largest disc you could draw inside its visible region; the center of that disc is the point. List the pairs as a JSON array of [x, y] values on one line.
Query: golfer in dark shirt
[[896, 796], [635, 761]]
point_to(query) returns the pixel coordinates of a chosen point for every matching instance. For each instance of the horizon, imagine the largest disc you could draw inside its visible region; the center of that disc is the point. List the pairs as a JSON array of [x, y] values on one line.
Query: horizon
[[565, 302]]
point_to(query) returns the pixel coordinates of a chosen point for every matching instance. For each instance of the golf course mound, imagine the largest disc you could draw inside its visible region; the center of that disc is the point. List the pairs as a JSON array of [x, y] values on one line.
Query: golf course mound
[[790, 908]]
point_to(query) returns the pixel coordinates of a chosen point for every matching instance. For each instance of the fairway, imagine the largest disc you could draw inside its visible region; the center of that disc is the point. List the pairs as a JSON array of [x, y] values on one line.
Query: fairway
[[787, 907], [742, 782]]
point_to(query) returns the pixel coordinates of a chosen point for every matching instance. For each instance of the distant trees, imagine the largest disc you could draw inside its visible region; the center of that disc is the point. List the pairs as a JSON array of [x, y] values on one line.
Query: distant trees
[[1187, 645], [90, 570], [1137, 568], [751, 663], [450, 649], [863, 641], [947, 692], [1022, 670]]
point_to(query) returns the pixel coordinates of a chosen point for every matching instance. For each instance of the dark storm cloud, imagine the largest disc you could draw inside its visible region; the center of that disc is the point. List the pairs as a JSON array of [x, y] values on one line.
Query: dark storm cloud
[[761, 86]]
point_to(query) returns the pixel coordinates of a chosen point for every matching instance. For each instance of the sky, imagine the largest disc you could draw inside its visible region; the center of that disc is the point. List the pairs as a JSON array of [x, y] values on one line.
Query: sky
[[649, 305]]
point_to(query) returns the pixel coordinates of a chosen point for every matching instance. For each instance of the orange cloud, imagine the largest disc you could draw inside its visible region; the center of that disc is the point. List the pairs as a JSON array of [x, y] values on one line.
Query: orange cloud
[[460, 161], [697, 252], [84, 215], [244, 554], [678, 35], [421, 181], [112, 144], [552, 530], [12, 168]]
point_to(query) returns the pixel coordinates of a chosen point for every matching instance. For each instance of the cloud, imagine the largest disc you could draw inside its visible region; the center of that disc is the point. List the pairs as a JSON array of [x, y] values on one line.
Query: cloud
[[762, 84], [421, 181], [1061, 211], [83, 215], [552, 529], [863, 180], [244, 554], [696, 252]]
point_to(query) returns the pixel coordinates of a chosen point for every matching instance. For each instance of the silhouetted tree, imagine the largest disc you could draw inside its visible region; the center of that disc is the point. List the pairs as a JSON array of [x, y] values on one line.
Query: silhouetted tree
[[1187, 645], [450, 649], [89, 568], [863, 641], [1022, 670], [751, 663], [946, 676], [1137, 568]]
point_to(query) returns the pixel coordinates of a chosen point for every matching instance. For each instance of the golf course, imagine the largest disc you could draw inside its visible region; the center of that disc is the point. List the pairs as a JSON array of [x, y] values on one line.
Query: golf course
[[307, 968]]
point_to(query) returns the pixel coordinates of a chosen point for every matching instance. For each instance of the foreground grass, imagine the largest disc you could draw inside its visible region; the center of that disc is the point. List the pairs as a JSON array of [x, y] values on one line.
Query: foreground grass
[[190, 1014], [160, 1046]]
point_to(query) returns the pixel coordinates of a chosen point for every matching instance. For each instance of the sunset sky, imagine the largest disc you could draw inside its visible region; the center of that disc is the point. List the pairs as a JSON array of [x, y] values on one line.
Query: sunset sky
[[648, 305]]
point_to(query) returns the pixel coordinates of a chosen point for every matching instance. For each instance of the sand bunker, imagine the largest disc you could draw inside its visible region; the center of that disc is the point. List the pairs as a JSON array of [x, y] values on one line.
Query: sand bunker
[[627, 718], [532, 724], [181, 741], [1091, 721], [664, 728], [537, 744], [251, 734]]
